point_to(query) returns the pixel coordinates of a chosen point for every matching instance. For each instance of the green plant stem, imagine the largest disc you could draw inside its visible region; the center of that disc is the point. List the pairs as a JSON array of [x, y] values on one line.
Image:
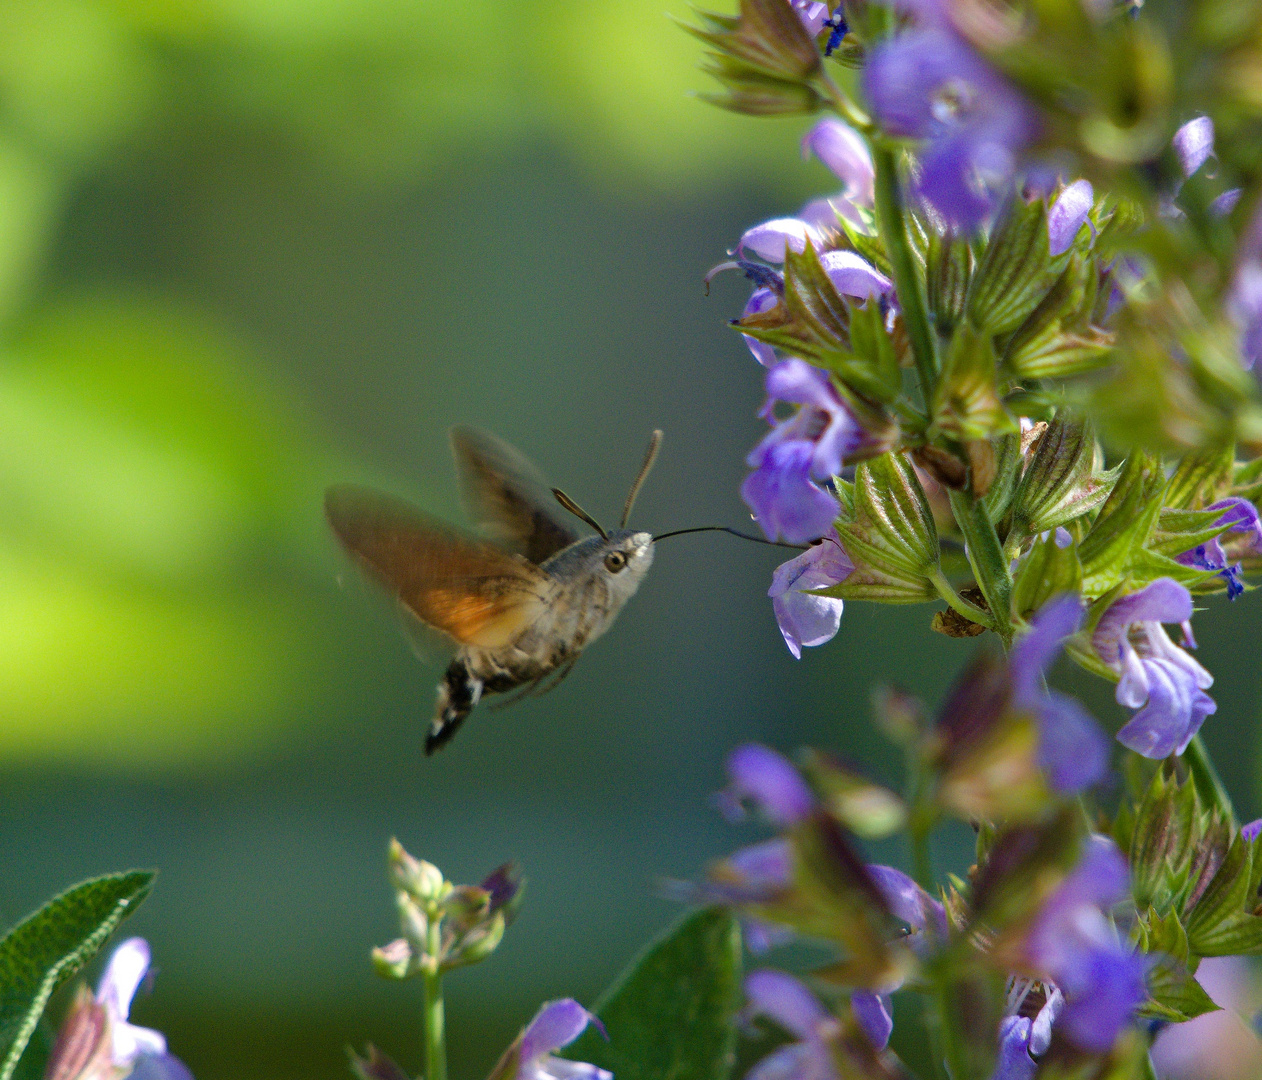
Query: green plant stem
[[1209, 784], [842, 105], [956, 602], [985, 556], [435, 1021], [911, 297]]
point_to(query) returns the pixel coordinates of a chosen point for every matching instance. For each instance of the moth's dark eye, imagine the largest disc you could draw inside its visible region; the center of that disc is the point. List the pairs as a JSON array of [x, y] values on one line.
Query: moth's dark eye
[[615, 561]]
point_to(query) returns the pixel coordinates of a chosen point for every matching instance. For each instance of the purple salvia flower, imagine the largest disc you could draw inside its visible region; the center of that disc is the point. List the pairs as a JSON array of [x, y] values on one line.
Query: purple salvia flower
[[556, 1024], [1251, 831], [1067, 214], [927, 922], [1242, 516], [846, 153], [1074, 945], [770, 781], [1156, 676], [853, 275], [1073, 751], [1194, 144], [804, 618], [810, 445], [1013, 1061], [788, 1002], [929, 84]]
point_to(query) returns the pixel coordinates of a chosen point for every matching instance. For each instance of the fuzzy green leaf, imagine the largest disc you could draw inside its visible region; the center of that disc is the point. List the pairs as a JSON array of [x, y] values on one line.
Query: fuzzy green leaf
[[49, 946], [672, 1013], [1046, 571], [1060, 483]]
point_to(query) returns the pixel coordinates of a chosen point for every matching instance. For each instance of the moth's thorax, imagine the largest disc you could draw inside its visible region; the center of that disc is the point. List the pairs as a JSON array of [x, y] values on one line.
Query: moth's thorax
[[589, 596]]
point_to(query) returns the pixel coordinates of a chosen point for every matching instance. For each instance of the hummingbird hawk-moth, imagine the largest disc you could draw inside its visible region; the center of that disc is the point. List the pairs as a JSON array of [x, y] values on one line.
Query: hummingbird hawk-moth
[[520, 603]]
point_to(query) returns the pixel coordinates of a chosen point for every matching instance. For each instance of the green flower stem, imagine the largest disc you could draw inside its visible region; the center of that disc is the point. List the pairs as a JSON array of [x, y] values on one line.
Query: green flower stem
[[842, 105], [435, 1022], [985, 556], [1208, 783], [911, 297], [956, 602]]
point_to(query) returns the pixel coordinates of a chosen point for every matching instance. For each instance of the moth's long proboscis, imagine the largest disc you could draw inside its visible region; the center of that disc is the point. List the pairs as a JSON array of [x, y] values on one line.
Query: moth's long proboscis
[[731, 532], [650, 456]]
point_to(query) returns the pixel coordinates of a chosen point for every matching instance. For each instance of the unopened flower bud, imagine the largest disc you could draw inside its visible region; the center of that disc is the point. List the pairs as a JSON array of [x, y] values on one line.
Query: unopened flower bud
[[413, 924], [394, 961], [476, 945], [416, 876]]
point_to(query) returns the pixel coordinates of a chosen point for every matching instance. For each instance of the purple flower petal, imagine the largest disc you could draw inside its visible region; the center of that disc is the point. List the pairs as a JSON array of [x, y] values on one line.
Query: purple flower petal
[[1073, 751], [1225, 203], [853, 275], [556, 1024], [159, 1067], [797, 1061], [805, 619], [874, 1012], [1164, 600], [846, 153], [783, 499], [813, 15], [1014, 1061], [1175, 709], [1067, 214], [787, 1001], [769, 780], [770, 239], [127, 966], [1194, 143], [1242, 516], [1117, 988], [1250, 832], [1035, 650], [1244, 306], [910, 903], [761, 300]]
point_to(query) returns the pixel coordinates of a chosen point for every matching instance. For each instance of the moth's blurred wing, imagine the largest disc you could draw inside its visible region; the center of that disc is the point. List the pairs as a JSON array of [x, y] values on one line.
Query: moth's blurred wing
[[507, 497], [472, 591]]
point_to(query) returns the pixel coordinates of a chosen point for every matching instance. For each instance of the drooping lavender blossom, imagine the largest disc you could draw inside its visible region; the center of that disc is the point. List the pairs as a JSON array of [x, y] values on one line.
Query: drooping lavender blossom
[[927, 925], [1242, 516], [1022, 1038], [556, 1024], [843, 150], [810, 445], [769, 781], [804, 618], [1072, 944], [1073, 751], [1067, 214], [96, 1041], [1156, 676], [787, 1001], [929, 84]]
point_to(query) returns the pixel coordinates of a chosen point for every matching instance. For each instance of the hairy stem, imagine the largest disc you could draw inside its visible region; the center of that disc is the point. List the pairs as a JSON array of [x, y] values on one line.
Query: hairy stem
[[435, 1033], [1209, 784], [985, 556], [911, 297]]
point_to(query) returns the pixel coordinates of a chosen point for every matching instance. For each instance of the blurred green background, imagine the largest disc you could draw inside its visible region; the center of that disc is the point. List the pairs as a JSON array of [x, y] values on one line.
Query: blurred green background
[[248, 249]]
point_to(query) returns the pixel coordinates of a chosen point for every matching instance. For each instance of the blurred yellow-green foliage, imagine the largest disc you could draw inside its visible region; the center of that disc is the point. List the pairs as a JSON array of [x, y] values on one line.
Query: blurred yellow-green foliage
[[252, 247]]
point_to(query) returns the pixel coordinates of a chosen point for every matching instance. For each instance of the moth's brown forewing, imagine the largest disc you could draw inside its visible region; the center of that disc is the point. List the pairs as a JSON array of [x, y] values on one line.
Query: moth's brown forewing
[[507, 497], [476, 593]]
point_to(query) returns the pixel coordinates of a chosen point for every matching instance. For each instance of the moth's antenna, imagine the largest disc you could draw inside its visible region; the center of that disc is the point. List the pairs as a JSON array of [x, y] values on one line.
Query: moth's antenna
[[732, 532], [650, 456], [578, 512]]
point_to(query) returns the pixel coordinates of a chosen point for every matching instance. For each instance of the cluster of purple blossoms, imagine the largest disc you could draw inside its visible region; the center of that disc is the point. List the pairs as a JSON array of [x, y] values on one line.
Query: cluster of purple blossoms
[[1155, 676], [1091, 981]]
